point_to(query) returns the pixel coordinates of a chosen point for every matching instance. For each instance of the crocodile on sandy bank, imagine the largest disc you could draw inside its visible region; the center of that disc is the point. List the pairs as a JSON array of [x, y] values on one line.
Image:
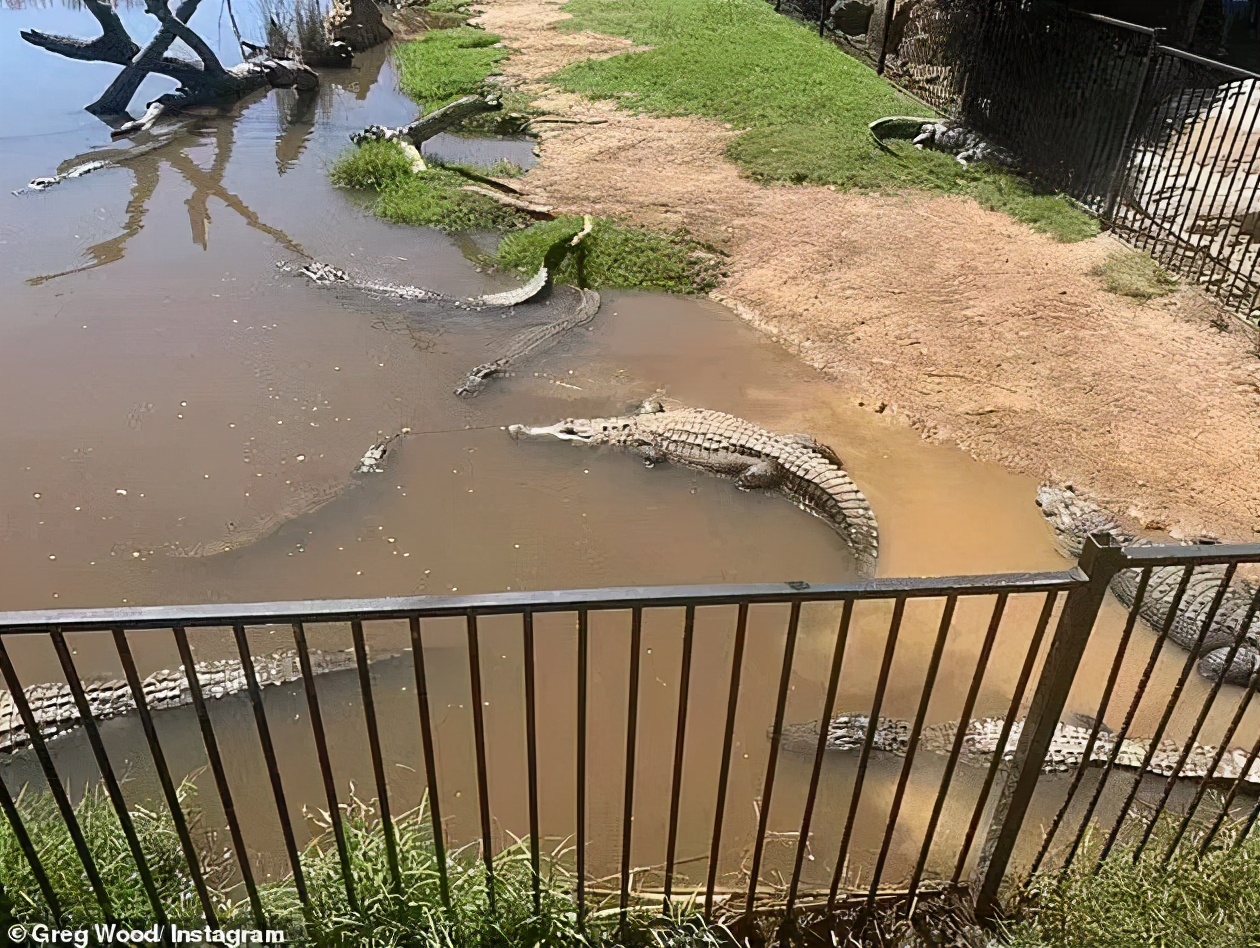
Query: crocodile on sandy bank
[[847, 732], [1073, 518], [809, 473], [54, 710]]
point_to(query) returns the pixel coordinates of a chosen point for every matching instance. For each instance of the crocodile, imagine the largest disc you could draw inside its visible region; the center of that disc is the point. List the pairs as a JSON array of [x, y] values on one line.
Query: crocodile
[[532, 340], [847, 732], [809, 473], [54, 709], [1235, 626]]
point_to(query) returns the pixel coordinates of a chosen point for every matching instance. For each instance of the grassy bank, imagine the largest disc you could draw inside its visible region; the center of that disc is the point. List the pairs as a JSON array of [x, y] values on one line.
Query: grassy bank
[[411, 914], [803, 104], [1208, 902]]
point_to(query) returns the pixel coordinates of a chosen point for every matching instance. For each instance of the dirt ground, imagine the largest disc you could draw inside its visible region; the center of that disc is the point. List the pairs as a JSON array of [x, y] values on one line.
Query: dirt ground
[[959, 321]]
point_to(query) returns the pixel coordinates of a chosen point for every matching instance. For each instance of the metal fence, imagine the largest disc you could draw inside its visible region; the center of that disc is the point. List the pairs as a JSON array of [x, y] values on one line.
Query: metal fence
[[651, 726], [1160, 143]]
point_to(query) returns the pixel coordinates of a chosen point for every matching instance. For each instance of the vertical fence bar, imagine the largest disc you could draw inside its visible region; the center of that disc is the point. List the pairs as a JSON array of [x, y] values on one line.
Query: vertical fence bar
[[28, 850], [724, 766], [680, 737], [164, 777], [224, 790], [1004, 736], [1169, 707], [54, 782], [631, 745], [829, 707], [1100, 560], [881, 685], [1210, 202], [1113, 189], [890, 10], [479, 736], [430, 763], [583, 659], [108, 777], [531, 754], [325, 763], [1233, 790], [632, 728], [1088, 755], [763, 818], [1138, 691], [374, 748], [912, 744], [264, 738], [1228, 736]]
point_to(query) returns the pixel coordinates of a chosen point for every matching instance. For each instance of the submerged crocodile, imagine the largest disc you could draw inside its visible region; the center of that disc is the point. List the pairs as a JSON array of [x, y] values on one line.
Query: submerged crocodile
[[54, 710], [532, 340], [847, 732], [1235, 624], [809, 473]]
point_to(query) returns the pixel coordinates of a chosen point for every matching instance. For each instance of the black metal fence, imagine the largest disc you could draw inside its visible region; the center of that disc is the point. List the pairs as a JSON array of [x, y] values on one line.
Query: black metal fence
[[1160, 143], [663, 730]]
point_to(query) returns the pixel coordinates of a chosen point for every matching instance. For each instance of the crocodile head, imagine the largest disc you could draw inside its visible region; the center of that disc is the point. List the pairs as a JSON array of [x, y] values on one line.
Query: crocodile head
[[1072, 518], [582, 430]]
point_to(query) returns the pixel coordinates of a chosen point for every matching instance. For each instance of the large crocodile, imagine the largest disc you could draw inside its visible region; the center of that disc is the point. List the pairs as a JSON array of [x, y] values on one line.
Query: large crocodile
[[1235, 623], [54, 709], [847, 732], [809, 473]]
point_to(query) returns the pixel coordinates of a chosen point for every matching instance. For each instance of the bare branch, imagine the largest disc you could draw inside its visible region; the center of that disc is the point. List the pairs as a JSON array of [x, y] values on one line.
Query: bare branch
[[180, 30]]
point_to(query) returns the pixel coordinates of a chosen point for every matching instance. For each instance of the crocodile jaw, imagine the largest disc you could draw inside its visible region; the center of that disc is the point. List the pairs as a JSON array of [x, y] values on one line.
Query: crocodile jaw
[[579, 432]]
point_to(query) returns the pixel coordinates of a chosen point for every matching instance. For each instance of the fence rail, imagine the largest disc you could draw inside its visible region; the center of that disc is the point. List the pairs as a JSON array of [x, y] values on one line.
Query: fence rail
[[1160, 143], [643, 723]]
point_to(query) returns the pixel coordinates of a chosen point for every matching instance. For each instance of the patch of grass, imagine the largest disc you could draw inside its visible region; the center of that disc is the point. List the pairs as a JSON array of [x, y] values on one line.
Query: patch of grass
[[433, 198], [1130, 273], [611, 256], [103, 832], [1209, 902], [803, 106], [445, 64], [1047, 212]]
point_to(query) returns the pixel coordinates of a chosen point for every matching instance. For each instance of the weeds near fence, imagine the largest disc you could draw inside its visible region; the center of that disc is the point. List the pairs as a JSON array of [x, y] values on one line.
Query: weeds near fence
[[101, 829], [1209, 902], [803, 105], [1130, 273], [410, 913]]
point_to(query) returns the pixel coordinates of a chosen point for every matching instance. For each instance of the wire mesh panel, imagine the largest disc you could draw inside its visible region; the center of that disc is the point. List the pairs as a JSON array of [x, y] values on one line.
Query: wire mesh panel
[[1189, 193]]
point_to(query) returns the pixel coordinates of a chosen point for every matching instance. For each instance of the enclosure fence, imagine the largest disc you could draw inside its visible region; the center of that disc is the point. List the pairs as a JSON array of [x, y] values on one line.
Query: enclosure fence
[[1162, 144], [650, 722]]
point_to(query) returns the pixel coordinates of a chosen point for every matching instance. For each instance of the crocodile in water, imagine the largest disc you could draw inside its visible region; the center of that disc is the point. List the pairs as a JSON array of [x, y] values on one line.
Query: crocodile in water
[[847, 732], [1073, 518], [809, 473], [54, 710]]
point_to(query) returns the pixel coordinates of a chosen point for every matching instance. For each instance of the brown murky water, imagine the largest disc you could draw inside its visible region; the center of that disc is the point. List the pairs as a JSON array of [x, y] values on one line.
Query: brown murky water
[[164, 385]]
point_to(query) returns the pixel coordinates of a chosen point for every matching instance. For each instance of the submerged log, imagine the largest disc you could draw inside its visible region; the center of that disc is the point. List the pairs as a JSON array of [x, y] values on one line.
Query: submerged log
[[425, 127]]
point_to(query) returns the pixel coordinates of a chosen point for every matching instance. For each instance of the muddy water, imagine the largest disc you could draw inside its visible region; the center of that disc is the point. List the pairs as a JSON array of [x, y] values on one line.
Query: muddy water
[[164, 386]]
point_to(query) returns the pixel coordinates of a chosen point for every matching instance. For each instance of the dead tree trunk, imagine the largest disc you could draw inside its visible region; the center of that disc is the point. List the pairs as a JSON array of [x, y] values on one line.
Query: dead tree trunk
[[199, 83]]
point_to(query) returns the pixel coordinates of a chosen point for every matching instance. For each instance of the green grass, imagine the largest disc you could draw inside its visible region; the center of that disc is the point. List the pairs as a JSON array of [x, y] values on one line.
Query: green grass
[[409, 915], [1213, 902], [433, 198], [803, 106], [611, 256], [103, 833], [1134, 274], [446, 64]]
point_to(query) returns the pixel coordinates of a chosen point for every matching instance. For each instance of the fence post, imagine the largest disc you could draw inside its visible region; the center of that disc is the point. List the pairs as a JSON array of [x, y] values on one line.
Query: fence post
[[1118, 173], [890, 10], [1100, 560]]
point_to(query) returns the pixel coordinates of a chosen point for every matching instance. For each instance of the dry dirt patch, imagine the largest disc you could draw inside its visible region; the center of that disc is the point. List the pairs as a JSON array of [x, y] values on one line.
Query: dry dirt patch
[[967, 324]]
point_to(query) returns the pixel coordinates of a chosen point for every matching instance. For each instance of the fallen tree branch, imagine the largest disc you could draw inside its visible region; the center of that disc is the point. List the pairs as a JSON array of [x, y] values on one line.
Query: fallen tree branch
[[538, 211], [425, 127]]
